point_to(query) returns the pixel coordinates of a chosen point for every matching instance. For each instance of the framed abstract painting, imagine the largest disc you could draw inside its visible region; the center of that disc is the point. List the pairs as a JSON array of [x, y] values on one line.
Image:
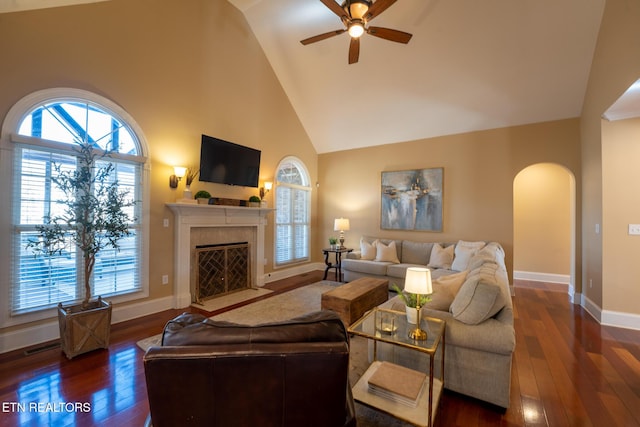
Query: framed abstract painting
[[412, 200]]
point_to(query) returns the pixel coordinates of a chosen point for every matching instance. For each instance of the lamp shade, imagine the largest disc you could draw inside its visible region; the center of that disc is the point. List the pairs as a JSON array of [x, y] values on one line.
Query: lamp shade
[[418, 281], [341, 224], [179, 171]]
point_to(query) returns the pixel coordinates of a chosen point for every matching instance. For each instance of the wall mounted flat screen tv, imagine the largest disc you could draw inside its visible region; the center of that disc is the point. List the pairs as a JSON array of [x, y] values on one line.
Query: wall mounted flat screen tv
[[224, 162]]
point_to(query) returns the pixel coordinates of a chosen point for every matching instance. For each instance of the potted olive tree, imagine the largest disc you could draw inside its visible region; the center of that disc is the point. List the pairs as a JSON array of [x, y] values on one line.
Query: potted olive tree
[[94, 217]]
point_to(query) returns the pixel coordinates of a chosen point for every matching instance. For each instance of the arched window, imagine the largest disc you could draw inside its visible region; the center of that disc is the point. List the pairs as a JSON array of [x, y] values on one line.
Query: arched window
[[293, 212], [40, 136]]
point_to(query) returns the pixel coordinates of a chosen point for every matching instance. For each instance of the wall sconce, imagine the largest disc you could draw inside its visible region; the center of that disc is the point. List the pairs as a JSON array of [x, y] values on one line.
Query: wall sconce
[[341, 225], [178, 173], [268, 185]]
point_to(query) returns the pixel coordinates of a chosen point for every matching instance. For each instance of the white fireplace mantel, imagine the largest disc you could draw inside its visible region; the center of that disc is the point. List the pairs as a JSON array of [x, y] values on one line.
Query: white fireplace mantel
[[188, 216]]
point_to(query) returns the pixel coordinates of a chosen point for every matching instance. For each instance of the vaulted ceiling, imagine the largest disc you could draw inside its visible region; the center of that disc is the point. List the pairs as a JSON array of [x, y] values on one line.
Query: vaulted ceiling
[[471, 65]]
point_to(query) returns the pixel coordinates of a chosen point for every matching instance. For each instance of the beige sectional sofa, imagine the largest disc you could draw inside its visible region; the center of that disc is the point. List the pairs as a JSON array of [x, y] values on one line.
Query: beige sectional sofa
[[382, 264], [472, 295]]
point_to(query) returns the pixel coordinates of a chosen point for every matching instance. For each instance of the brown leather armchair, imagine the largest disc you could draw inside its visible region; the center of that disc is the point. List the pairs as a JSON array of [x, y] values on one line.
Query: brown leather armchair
[[288, 374]]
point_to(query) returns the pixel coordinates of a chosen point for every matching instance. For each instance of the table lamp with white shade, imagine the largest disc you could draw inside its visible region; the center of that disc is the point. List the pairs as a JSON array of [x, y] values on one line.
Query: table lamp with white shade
[[341, 225], [418, 281]]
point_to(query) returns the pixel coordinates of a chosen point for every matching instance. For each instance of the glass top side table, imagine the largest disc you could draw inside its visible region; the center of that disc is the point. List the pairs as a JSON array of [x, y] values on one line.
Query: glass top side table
[[390, 326]]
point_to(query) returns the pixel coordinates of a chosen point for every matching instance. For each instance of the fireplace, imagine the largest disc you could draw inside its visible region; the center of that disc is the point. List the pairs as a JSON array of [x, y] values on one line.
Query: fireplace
[[197, 225], [221, 269]]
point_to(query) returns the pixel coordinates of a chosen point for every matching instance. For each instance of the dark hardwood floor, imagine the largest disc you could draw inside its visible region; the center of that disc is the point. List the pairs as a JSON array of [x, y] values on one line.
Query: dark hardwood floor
[[567, 370]]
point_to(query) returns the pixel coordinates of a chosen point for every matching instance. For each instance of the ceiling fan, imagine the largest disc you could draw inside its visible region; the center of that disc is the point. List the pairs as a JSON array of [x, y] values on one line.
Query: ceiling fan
[[356, 15]]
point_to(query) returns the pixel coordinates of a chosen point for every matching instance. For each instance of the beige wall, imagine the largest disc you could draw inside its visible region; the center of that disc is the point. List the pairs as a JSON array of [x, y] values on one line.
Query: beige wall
[[479, 170], [543, 219], [182, 71], [616, 65], [179, 72], [621, 202]]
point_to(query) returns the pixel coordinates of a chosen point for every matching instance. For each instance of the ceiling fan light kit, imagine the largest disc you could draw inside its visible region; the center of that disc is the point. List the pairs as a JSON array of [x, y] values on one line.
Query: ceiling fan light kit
[[356, 29], [355, 16]]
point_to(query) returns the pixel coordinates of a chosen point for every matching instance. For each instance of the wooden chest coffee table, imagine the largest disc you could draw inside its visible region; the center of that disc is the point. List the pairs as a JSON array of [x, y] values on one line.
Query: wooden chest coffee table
[[352, 300]]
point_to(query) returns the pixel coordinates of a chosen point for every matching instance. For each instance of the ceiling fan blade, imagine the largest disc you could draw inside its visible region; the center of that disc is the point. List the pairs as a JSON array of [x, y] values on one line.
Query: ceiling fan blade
[[377, 8], [322, 37], [389, 34], [354, 50], [335, 8]]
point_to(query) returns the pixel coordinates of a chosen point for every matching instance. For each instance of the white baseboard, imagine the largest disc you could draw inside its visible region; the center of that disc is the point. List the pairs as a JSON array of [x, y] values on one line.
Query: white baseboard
[[603, 317], [49, 331], [608, 317], [283, 273], [31, 335], [592, 308], [620, 320], [144, 308], [564, 279]]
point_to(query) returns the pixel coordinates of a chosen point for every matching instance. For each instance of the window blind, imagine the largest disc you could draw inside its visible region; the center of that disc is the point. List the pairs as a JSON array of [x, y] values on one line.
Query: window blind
[[292, 215], [41, 281]]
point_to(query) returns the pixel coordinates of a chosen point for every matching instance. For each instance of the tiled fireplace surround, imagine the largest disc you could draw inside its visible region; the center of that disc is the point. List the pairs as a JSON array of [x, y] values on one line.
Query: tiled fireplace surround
[[213, 224]]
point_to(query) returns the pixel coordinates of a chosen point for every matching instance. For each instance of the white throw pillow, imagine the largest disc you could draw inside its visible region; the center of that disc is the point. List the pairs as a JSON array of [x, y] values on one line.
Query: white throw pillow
[[493, 252], [463, 253], [445, 289], [368, 250], [386, 253], [441, 257]]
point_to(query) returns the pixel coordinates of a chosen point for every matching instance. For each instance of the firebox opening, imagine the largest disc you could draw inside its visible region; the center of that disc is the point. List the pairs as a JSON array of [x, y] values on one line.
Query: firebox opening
[[221, 269]]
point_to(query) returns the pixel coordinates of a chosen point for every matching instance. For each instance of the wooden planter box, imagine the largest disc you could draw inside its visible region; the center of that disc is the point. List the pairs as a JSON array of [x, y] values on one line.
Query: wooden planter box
[[83, 330]]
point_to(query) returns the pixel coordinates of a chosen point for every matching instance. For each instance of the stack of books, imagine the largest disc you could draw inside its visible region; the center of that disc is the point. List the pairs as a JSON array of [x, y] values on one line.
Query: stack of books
[[397, 383]]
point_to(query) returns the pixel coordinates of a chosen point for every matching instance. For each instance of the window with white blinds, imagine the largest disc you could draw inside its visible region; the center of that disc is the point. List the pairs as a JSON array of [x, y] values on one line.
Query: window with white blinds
[[293, 205], [42, 146]]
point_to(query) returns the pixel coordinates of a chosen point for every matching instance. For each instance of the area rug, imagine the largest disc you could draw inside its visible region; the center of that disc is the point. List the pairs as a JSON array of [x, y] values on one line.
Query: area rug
[[273, 309], [214, 304], [295, 303]]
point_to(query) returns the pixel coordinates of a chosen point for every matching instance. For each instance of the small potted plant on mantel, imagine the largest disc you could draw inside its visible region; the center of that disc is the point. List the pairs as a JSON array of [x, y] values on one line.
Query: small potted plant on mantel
[[94, 217], [254, 201], [411, 302], [203, 197]]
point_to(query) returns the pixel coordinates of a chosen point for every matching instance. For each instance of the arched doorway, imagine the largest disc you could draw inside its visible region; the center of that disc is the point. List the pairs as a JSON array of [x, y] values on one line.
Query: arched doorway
[[544, 199]]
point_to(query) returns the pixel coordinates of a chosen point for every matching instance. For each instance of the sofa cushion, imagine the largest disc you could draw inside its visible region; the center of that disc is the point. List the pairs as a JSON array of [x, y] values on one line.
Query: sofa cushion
[[400, 270], [480, 297], [386, 242], [387, 253], [368, 250], [416, 252], [445, 289], [441, 257], [463, 253], [365, 266], [492, 252]]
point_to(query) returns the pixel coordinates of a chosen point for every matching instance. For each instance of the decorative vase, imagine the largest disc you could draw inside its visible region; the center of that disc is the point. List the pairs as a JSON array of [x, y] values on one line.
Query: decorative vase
[[412, 314], [203, 200], [187, 193]]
